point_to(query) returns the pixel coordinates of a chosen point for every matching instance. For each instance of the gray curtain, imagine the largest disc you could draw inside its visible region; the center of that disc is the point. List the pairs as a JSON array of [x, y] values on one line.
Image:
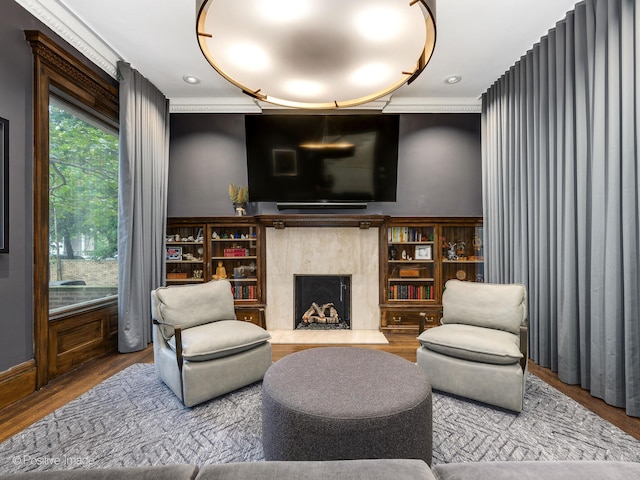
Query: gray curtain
[[144, 159], [561, 201]]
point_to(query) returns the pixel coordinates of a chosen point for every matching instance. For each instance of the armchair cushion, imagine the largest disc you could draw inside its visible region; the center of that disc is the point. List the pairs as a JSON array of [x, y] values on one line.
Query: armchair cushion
[[191, 305], [497, 306], [473, 343], [219, 339]]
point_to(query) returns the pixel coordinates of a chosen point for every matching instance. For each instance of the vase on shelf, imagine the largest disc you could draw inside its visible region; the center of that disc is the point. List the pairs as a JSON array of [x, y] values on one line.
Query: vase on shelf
[[240, 209], [239, 197]]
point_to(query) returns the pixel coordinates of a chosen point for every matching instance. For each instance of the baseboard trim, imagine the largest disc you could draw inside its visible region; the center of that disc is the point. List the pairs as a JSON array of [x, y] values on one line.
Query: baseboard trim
[[17, 383]]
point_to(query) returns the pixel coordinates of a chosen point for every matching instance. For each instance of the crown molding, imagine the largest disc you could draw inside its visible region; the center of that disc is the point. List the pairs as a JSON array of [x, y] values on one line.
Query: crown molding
[[433, 105], [214, 105], [404, 105], [66, 25]]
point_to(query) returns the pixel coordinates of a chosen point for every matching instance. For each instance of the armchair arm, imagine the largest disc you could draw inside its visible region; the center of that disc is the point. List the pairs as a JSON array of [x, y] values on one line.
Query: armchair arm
[[177, 331], [524, 346]]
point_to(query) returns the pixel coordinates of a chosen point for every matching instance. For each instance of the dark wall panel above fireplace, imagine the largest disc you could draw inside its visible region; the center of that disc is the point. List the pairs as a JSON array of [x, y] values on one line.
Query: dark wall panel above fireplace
[[439, 166]]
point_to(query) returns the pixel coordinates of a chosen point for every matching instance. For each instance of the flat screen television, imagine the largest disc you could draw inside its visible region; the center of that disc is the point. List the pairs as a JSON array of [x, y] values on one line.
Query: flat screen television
[[322, 160]]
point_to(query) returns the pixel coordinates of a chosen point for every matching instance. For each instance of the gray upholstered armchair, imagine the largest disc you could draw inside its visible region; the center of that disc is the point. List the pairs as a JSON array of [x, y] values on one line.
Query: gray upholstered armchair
[[200, 349], [480, 350]]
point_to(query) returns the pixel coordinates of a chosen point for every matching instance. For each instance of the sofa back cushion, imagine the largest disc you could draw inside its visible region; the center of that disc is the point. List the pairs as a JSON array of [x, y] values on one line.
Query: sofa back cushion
[[191, 305], [490, 305]]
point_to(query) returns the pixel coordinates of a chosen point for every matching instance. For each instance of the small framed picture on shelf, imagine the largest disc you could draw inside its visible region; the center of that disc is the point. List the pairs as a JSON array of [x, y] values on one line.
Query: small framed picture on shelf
[[174, 253], [423, 252]]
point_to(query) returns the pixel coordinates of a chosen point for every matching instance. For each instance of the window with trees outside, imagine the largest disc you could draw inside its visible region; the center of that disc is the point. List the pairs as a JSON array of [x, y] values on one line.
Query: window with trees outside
[[83, 206]]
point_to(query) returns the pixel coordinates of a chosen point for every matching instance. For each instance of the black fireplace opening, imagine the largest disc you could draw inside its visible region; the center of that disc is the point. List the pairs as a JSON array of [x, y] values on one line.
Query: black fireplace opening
[[322, 302]]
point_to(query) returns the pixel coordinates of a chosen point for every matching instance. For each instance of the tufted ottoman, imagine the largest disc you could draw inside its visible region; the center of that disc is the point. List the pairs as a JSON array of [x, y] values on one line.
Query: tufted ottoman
[[344, 403]]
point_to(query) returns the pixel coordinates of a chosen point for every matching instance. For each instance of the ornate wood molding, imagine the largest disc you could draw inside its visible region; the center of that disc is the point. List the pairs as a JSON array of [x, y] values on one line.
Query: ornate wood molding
[[105, 95]]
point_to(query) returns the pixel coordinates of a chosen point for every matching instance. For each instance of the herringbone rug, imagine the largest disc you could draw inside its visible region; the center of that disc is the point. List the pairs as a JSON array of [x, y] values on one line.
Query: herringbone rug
[[134, 419]]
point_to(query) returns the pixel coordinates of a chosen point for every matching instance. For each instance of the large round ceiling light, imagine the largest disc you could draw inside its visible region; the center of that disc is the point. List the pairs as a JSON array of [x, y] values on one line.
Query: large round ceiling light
[[317, 54]]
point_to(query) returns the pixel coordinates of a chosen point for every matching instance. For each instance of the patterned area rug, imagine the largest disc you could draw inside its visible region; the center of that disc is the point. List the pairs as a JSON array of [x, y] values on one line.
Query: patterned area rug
[[134, 419]]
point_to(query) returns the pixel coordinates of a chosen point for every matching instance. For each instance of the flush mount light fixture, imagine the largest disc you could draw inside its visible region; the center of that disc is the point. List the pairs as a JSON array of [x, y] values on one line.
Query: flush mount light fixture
[[317, 54]]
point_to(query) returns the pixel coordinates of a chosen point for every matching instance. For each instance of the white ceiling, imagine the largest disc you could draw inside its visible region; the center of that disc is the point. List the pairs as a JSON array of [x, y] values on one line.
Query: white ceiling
[[478, 40]]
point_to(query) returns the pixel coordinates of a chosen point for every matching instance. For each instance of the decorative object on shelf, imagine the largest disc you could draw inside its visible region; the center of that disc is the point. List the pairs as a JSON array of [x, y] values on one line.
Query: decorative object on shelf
[[409, 272], [451, 252], [176, 275], [238, 271], [197, 274], [477, 247], [461, 275], [424, 252], [393, 253], [174, 253], [221, 272], [239, 197], [461, 249]]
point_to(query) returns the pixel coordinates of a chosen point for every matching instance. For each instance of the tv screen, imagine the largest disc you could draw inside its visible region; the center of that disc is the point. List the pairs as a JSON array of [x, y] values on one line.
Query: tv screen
[[322, 158]]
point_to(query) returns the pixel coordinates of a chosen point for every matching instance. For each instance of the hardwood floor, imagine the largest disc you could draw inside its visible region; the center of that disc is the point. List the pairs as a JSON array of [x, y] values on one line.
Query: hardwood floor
[[65, 388]]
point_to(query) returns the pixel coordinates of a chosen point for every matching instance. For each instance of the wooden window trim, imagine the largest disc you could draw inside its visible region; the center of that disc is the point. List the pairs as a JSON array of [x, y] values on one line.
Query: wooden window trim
[[55, 67]]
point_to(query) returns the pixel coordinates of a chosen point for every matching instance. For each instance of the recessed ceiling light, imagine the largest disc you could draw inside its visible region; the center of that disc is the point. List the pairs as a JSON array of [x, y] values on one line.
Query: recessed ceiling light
[[191, 79], [450, 80]]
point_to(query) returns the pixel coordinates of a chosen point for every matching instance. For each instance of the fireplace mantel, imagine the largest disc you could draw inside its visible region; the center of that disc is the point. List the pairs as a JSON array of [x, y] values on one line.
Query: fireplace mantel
[[321, 220]]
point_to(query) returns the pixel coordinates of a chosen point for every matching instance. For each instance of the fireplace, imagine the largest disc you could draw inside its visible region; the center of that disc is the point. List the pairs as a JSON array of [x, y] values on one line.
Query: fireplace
[[345, 251], [322, 302]]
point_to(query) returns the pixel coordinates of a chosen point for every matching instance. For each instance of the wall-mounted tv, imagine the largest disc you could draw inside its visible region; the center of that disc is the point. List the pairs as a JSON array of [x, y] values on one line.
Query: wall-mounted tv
[[322, 159]]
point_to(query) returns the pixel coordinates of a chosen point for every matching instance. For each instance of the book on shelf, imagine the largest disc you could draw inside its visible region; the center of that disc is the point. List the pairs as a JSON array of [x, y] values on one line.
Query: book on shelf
[[235, 252], [244, 292], [411, 292], [408, 234]]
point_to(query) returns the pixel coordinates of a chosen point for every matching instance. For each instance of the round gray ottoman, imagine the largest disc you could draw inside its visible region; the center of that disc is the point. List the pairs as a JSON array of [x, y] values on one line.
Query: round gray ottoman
[[345, 403]]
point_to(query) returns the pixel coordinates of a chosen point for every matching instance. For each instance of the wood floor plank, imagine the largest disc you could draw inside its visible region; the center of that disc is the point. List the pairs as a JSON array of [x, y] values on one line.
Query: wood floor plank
[[65, 388]]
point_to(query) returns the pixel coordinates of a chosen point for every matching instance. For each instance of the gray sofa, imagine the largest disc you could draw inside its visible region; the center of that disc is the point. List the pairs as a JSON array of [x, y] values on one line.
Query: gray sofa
[[355, 470]]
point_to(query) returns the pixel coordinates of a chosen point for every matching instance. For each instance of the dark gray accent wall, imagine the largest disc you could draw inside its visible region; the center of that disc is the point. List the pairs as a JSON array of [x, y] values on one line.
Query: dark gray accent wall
[[206, 153], [16, 105], [439, 166]]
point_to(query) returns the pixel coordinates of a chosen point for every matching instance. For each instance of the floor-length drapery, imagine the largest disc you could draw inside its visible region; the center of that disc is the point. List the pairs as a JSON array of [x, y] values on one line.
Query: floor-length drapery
[[561, 201], [144, 159]]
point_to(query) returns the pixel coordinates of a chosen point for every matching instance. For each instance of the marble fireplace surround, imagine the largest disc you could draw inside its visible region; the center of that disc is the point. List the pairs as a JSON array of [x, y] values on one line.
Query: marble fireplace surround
[[323, 248]]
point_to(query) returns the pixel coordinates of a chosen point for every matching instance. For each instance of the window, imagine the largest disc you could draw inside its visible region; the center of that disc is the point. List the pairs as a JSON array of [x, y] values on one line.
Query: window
[[83, 206], [65, 85]]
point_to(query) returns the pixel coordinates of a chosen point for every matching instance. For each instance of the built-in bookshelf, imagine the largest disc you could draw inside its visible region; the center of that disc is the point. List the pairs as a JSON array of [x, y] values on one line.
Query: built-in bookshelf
[[416, 260], [204, 249], [184, 254]]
